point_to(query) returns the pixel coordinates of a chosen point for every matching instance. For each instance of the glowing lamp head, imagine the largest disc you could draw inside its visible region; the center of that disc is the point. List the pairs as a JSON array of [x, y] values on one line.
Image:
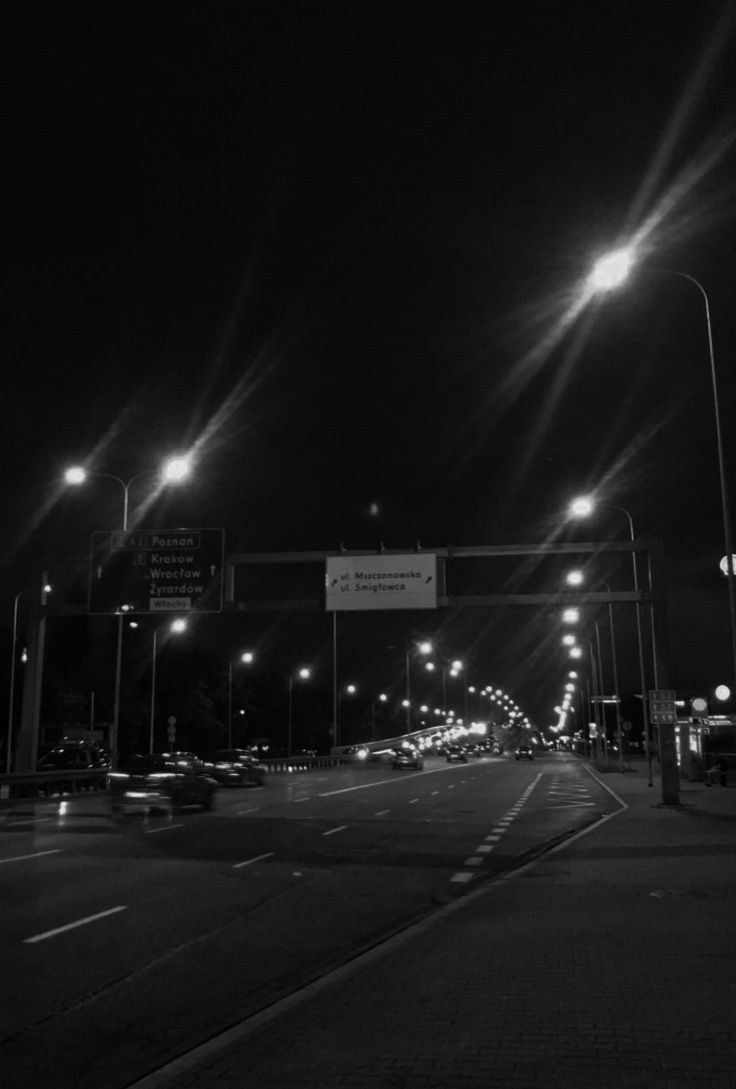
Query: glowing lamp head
[[177, 469], [75, 475], [610, 271]]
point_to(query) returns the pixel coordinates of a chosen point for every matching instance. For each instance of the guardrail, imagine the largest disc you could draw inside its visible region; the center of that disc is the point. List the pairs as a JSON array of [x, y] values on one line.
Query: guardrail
[[69, 781]]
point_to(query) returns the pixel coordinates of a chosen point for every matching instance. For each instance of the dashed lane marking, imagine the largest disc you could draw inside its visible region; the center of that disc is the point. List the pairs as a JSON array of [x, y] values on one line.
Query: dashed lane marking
[[331, 831], [381, 812], [38, 854], [250, 861], [163, 828], [72, 926]]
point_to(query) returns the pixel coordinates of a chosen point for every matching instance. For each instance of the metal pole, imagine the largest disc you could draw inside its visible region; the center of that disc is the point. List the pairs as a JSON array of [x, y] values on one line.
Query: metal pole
[[604, 733], [640, 646], [408, 696], [119, 649], [153, 690], [335, 700], [725, 510], [230, 704], [11, 698], [615, 688], [288, 740]]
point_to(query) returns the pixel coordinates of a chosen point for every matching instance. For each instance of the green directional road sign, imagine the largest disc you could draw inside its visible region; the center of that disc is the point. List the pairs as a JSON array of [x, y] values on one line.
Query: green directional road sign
[[157, 571]]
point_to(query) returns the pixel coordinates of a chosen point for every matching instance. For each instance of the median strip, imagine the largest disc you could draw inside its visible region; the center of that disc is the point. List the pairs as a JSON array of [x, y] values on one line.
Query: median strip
[[73, 926]]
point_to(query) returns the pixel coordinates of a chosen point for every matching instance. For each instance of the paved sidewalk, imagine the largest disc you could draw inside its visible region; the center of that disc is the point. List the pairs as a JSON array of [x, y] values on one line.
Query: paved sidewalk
[[606, 964]]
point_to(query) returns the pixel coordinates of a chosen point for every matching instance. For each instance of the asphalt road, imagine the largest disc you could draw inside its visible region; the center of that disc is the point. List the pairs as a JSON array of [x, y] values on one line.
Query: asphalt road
[[126, 942]]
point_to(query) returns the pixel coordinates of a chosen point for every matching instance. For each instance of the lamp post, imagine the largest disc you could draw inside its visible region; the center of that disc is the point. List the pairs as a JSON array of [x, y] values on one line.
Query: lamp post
[[302, 674], [382, 698], [581, 508], [609, 273], [349, 690], [246, 658], [175, 627], [424, 647], [575, 578], [173, 471]]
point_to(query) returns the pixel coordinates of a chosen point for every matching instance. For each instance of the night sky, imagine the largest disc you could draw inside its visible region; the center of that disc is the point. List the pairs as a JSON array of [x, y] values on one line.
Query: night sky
[[336, 248]]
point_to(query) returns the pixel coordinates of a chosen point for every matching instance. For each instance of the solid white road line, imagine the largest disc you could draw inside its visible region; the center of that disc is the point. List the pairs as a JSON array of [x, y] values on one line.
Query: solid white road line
[[250, 861], [38, 854], [29, 820], [165, 828], [74, 925], [240, 812], [332, 831]]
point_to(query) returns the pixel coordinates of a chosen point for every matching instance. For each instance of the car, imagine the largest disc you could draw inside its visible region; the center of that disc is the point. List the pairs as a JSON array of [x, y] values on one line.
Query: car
[[166, 781], [74, 755], [456, 754], [474, 750], [407, 756], [523, 753], [235, 767]]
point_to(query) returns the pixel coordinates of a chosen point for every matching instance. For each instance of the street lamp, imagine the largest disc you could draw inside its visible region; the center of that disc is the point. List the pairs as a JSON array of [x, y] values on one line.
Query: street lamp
[[575, 578], [423, 647], [610, 272], [173, 471], [176, 627], [350, 690], [582, 507], [302, 674], [246, 658]]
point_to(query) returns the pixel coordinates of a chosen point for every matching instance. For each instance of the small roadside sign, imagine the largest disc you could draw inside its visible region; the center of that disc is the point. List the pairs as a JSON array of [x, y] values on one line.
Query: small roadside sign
[[405, 581], [157, 571], [662, 706]]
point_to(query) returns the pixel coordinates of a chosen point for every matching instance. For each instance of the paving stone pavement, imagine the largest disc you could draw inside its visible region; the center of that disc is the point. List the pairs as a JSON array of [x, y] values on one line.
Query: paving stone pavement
[[608, 963]]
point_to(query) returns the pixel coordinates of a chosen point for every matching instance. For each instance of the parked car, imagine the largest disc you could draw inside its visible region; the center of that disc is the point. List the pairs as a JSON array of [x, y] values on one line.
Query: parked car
[[456, 754], [523, 753], [235, 767], [165, 781], [407, 756]]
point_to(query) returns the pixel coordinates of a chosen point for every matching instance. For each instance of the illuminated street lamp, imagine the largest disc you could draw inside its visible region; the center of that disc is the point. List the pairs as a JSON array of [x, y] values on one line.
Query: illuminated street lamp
[[610, 272], [173, 471], [423, 647], [582, 507], [176, 627], [246, 658], [302, 674]]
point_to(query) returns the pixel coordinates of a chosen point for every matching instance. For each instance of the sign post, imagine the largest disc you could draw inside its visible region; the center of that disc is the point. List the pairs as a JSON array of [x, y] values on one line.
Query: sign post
[[663, 714]]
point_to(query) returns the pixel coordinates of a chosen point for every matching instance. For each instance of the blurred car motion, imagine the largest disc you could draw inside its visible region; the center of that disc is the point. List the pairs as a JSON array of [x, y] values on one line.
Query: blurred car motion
[[407, 756], [235, 767], [166, 781]]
